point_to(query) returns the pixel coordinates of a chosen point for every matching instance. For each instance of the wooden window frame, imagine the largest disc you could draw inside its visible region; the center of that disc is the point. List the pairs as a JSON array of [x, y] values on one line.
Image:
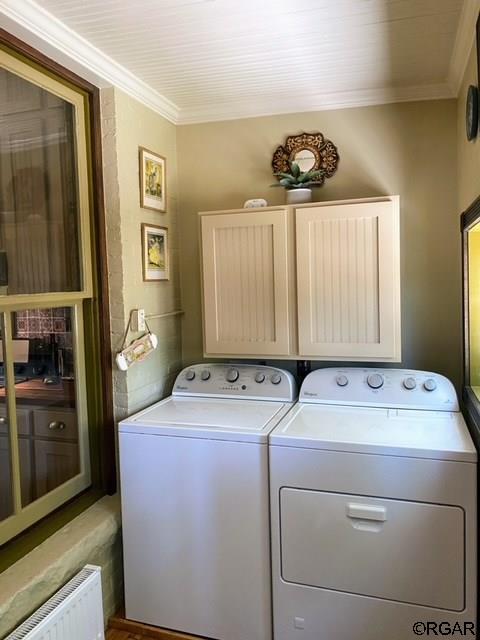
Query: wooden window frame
[[102, 444]]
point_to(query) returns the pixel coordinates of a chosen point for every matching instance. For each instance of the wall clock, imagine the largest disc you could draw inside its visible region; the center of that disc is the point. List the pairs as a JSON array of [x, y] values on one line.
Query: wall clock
[[471, 113]]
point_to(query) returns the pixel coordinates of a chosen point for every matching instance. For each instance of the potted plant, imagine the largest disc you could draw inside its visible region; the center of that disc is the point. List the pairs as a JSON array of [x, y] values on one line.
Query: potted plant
[[297, 183]]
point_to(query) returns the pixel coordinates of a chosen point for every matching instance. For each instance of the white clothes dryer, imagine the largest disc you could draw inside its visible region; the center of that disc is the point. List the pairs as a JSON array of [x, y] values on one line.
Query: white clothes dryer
[[373, 508], [195, 502]]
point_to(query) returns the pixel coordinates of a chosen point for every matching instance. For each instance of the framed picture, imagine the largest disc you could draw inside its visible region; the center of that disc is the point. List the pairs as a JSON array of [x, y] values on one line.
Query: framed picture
[[155, 253], [153, 184]]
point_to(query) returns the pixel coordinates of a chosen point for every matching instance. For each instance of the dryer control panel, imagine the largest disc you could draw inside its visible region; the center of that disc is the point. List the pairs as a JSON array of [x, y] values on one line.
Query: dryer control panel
[[392, 388], [242, 381]]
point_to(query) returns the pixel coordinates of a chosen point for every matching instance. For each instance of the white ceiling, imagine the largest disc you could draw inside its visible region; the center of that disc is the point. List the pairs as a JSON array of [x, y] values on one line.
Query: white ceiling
[[200, 60]]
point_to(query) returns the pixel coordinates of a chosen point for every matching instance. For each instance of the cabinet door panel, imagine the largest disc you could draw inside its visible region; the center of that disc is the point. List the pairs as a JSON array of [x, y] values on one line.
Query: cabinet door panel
[[348, 281], [55, 463], [246, 286], [25, 453]]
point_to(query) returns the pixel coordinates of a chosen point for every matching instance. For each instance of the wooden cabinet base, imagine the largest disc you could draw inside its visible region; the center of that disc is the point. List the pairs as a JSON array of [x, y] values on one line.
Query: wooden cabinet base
[[145, 631]]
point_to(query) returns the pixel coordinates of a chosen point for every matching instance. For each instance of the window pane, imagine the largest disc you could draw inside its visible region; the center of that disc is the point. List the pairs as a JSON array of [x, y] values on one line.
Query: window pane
[[45, 394], [474, 306], [39, 210], [6, 488]]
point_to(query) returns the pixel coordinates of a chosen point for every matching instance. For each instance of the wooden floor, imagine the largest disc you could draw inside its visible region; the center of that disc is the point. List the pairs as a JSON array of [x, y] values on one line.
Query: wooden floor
[[120, 628], [116, 634]]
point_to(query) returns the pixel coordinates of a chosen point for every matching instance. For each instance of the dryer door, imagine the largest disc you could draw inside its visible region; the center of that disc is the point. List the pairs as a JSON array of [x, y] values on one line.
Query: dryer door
[[409, 552]]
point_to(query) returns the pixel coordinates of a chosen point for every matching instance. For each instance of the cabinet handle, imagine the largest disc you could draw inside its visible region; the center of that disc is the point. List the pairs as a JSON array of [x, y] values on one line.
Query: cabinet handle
[[57, 426]]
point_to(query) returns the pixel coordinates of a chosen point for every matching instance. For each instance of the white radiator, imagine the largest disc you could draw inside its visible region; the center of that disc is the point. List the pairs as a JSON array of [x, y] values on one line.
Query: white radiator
[[73, 613]]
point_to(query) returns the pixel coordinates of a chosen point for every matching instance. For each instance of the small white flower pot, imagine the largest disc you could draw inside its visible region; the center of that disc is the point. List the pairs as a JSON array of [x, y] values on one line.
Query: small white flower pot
[[298, 196]]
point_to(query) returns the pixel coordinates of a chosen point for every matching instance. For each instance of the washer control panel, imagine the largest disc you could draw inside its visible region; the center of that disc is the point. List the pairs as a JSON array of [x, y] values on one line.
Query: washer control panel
[[242, 381], [393, 388]]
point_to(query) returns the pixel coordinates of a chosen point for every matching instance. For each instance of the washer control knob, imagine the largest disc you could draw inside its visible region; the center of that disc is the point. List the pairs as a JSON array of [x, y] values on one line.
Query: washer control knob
[[429, 384], [259, 377], [375, 381], [342, 380], [190, 375], [232, 375], [410, 384], [205, 375], [275, 378]]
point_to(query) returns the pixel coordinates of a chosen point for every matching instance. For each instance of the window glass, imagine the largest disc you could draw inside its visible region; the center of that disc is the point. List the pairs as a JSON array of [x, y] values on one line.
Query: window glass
[[474, 306], [39, 204], [6, 489], [47, 422]]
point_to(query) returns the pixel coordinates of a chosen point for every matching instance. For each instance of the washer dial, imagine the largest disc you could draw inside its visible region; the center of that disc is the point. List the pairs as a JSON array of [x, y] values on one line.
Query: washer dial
[[259, 377], [409, 383], [375, 381], [190, 375], [275, 378], [232, 375], [429, 384], [205, 375], [342, 380]]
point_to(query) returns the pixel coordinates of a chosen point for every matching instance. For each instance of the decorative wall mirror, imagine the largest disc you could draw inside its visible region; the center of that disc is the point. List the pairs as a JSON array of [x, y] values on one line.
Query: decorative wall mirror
[[311, 151]]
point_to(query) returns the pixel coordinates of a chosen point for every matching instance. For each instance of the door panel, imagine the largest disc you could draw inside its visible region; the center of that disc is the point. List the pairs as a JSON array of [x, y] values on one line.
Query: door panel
[[409, 552], [348, 280], [245, 280]]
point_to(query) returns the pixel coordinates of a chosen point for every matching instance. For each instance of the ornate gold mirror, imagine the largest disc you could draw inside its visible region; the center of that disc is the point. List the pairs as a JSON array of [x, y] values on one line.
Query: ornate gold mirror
[[311, 151]]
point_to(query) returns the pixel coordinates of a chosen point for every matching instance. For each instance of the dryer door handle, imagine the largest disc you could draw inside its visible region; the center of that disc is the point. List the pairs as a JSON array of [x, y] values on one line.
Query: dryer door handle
[[366, 512]]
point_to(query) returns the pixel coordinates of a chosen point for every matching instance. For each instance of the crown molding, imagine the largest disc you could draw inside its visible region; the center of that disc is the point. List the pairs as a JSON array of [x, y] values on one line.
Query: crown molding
[[326, 102], [463, 44], [56, 34]]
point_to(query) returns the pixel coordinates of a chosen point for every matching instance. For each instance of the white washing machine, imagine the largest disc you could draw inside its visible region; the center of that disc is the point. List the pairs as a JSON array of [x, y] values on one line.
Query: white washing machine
[[195, 502], [373, 504]]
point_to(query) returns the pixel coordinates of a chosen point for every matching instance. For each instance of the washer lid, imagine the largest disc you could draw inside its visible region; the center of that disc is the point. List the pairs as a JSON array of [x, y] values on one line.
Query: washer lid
[[218, 419], [440, 435]]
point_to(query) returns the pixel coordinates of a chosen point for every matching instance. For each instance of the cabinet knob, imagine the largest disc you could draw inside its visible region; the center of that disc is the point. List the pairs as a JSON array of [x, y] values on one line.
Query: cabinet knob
[[57, 426], [3, 420]]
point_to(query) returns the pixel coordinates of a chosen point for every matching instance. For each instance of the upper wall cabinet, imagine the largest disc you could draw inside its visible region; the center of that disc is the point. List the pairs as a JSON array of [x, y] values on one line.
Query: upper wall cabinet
[[348, 280], [318, 281], [245, 283]]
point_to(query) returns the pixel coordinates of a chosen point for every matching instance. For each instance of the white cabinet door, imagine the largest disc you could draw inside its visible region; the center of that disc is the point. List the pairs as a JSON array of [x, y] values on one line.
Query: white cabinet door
[[348, 280], [246, 283]]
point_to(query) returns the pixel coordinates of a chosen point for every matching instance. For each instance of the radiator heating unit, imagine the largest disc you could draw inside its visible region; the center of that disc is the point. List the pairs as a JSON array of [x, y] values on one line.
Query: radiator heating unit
[[75, 612]]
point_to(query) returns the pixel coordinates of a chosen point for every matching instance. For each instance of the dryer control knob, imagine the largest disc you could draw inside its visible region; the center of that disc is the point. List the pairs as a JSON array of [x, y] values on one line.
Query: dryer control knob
[[342, 380], [429, 384], [409, 384], [259, 377], [275, 378], [375, 381], [232, 375], [205, 375], [190, 375]]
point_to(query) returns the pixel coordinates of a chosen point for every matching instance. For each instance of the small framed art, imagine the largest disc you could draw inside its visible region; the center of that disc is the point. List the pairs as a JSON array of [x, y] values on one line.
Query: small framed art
[[153, 183], [155, 253]]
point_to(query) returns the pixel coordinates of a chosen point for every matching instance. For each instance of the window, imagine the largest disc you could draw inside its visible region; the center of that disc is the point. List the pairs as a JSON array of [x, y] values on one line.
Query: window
[[48, 299], [471, 272]]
